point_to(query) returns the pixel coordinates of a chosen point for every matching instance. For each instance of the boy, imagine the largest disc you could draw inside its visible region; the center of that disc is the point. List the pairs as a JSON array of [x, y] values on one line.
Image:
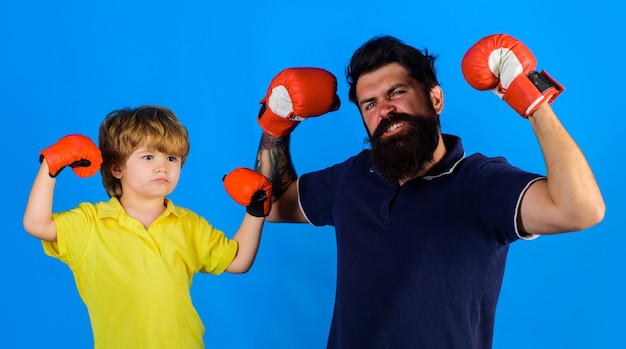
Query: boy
[[133, 257]]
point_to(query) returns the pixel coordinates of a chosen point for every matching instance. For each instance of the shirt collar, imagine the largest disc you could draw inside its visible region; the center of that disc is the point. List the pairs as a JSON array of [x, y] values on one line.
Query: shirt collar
[[113, 209], [453, 157]]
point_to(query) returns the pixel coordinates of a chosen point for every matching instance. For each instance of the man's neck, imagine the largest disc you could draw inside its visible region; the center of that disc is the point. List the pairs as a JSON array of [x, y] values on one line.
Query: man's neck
[[439, 153]]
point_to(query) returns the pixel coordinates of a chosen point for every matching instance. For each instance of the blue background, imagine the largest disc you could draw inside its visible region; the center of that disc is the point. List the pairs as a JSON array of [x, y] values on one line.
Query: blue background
[[66, 64]]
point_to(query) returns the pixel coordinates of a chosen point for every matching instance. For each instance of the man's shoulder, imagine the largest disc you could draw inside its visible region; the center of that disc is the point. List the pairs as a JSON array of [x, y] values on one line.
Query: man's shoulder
[[361, 159]]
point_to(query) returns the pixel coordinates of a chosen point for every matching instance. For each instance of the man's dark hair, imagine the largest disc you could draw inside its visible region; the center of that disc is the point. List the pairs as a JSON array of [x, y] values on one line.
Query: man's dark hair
[[382, 50]]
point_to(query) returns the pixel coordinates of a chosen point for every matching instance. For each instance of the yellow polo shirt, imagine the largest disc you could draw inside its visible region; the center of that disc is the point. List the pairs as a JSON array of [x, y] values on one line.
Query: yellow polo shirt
[[136, 282]]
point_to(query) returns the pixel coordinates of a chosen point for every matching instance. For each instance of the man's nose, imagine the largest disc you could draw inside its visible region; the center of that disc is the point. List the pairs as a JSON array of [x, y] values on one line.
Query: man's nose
[[387, 107]]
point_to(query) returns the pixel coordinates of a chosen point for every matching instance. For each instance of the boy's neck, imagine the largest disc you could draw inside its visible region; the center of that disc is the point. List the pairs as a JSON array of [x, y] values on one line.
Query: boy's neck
[[145, 211]]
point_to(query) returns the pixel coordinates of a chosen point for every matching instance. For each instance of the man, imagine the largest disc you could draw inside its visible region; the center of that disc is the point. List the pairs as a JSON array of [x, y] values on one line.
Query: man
[[422, 230]]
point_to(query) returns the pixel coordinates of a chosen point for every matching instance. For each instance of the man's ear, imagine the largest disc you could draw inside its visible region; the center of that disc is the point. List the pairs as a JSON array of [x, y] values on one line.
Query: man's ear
[[436, 98], [116, 171]]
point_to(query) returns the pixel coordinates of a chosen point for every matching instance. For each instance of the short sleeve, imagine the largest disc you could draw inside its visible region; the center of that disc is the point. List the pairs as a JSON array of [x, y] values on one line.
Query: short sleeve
[[74, 231]]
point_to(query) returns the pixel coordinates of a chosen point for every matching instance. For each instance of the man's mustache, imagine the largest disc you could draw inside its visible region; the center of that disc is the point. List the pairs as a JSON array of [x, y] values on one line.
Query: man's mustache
[[388, 121]]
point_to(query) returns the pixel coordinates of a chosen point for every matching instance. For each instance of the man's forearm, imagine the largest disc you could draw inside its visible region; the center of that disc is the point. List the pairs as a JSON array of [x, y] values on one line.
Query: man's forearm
[[274, 162], [571, 183]]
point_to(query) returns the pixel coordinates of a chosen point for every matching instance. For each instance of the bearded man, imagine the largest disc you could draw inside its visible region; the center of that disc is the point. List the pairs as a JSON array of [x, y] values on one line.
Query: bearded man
[[422, 229]]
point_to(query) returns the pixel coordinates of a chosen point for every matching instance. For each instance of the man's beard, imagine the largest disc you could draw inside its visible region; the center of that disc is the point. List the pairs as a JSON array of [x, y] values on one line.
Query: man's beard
[[401, 156]]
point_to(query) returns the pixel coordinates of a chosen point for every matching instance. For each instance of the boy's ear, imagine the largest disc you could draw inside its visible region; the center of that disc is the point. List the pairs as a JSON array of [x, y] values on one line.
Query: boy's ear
[[116, 171]]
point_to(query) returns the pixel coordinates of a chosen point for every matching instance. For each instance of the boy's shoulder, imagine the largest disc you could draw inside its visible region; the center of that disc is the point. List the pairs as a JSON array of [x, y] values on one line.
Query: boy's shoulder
[[182, 212], [177, 210]]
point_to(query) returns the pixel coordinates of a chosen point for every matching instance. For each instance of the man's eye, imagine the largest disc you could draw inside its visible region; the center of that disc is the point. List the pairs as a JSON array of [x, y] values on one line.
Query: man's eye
[[397, 93], [369, 106]]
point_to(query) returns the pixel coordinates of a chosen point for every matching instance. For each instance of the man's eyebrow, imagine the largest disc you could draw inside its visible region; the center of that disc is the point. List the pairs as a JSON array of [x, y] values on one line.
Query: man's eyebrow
[[389, 90], [367, 100]]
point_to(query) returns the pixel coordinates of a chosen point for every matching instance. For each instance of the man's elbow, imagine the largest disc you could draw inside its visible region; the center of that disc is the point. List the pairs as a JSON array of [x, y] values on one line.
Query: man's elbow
[[590, 216], [597, 214]]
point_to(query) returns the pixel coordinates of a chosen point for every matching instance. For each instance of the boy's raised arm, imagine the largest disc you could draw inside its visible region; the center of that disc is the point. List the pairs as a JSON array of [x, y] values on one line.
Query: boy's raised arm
[[76, 151]]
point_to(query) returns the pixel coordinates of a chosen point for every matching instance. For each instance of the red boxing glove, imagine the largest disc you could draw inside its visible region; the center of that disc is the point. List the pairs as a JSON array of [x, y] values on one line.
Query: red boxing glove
[[77, 151], [294, 95], [506, 66], [251, 189]]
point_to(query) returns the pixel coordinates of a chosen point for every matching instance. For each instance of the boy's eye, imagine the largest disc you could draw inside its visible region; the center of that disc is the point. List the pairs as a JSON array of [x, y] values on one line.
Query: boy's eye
[[148, 157], [172, 158]]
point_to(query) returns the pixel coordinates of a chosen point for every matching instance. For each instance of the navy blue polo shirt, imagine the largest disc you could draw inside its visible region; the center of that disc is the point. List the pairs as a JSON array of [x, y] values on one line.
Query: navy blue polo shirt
[[421, 265]]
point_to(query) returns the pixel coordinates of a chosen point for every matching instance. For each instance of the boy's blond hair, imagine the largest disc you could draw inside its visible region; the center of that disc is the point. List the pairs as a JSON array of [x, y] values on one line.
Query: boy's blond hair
[[125, 130]]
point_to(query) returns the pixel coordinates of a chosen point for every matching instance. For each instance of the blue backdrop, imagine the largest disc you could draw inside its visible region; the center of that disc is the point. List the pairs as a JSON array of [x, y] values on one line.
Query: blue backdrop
[[66, 64]]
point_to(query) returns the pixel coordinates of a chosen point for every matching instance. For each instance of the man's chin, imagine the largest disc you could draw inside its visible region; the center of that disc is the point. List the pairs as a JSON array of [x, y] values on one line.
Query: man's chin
[[398, 158]]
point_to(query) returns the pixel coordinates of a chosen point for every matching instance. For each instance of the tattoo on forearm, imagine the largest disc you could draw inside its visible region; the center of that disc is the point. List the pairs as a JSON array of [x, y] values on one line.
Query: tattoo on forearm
[[274, 161]]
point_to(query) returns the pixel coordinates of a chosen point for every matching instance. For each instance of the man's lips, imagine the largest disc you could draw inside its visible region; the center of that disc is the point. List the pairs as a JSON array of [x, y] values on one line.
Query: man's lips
[[393, 128]]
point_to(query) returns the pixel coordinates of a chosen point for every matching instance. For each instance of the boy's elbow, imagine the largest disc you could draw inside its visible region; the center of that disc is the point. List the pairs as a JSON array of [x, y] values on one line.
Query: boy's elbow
[[238, 269], [40, 230], [29, 226], [239, 264], [243, 270]]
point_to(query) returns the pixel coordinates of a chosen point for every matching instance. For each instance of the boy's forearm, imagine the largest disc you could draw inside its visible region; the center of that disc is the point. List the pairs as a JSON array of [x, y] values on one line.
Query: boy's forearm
[[248, 238], [38, 214]]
